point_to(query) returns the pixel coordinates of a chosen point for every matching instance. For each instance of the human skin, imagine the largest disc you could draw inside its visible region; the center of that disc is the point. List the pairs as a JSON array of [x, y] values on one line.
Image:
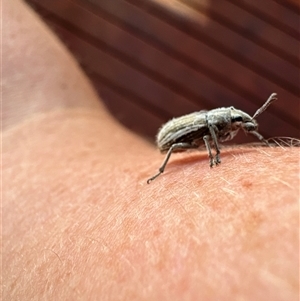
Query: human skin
[[80, 221]]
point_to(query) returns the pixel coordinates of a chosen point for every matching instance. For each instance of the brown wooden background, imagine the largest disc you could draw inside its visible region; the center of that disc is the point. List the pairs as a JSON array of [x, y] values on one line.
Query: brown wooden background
[[152, 60]]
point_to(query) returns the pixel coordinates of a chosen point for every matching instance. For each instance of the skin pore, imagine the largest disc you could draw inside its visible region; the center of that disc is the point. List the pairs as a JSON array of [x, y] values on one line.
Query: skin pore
[[80, 222]]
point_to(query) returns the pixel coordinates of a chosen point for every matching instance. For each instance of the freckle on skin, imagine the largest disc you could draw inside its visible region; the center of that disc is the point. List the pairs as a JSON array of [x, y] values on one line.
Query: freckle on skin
[[247, 184]]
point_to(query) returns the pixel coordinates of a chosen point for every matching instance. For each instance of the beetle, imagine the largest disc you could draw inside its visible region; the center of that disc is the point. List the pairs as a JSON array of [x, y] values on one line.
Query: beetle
[[206, 128]]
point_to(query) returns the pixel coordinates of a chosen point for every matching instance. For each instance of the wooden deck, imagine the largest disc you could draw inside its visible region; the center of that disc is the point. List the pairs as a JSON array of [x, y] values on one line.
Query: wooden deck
[[152, 60]]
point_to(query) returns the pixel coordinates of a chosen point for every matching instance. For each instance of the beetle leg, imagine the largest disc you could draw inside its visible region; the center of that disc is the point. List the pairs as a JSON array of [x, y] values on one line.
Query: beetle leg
[[259, 137], [211, 157], [212, 130], [182, 146]]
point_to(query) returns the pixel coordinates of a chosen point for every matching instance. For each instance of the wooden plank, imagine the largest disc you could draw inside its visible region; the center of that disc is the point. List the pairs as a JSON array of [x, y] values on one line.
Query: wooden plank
[[177, 76], [101, 65], [198, 85], [154, 62], [251, 27], [278, 15], [237, 46], [195, 54]]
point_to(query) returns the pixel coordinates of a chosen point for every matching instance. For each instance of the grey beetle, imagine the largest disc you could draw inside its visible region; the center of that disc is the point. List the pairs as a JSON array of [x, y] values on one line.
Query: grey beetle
[[206, 128]]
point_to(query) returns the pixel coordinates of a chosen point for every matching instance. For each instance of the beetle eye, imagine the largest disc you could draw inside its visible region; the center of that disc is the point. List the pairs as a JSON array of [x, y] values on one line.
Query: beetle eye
[[250, 126], [236, 119]]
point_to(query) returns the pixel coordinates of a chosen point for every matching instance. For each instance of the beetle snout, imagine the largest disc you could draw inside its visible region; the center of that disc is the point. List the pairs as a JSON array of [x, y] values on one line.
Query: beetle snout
[[250, 126]]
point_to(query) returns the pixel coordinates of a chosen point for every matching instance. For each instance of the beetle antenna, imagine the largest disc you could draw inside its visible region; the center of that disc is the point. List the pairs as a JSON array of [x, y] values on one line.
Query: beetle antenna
[[272, 97]]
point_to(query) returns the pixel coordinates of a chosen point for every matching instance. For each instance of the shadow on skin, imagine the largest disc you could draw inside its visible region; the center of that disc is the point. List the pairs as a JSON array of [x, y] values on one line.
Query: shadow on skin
[[197, 156]]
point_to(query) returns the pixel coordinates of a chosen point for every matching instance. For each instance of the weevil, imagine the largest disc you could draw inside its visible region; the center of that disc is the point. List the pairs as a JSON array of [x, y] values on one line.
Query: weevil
[[206, 128]]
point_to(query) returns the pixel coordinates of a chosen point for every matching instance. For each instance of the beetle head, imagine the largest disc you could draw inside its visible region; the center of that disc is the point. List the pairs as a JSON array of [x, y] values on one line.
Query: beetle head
[[250, 126], [240, 119]]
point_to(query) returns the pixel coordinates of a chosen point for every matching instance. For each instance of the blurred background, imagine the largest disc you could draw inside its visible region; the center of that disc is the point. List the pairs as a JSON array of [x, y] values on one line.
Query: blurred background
[[151, 60]]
